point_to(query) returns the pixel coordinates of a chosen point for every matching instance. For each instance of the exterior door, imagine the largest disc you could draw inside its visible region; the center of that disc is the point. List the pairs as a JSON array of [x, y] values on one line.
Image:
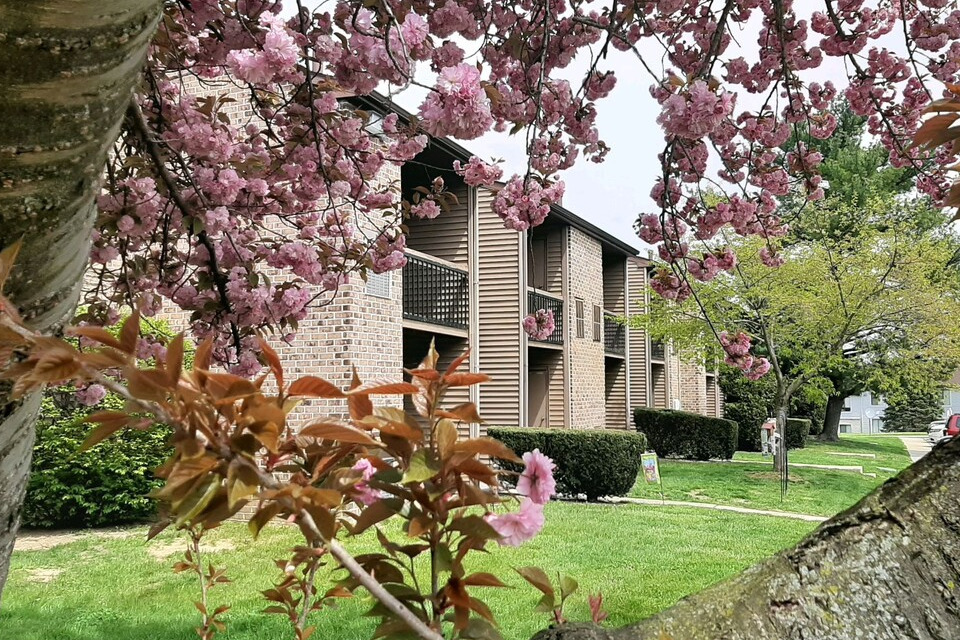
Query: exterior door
[[538, 393]]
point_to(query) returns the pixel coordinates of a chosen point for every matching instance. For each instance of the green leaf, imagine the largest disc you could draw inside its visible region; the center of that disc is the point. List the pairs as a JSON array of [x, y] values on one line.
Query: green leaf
[[568, 586], [422, 467]]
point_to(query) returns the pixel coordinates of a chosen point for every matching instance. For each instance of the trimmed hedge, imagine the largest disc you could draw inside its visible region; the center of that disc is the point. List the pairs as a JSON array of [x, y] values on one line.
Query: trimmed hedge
[[797, 431], [105, 485], [595, 463], [749, 417], [681, 434]]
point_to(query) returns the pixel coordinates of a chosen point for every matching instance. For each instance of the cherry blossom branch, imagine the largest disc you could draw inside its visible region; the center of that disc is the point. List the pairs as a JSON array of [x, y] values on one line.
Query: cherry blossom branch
[[135, 113]]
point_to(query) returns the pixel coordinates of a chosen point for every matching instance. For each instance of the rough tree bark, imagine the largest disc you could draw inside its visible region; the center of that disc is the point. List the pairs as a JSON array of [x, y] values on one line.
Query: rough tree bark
[[831, 421], [885, 569], [68, 69]]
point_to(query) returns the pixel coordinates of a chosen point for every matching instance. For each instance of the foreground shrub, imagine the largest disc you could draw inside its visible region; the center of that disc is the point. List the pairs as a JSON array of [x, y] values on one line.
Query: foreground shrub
[[596, 463], [797, 431], [681, 434], [106, 485]]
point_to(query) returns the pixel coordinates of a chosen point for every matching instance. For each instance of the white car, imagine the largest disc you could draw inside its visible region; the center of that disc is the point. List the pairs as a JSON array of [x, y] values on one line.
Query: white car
[[937, 431]]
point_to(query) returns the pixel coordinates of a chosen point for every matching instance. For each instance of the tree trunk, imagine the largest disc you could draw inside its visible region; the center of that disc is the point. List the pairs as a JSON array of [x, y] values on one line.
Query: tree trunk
[[885, 569], [68, 69], [782, 408], [831, 421]]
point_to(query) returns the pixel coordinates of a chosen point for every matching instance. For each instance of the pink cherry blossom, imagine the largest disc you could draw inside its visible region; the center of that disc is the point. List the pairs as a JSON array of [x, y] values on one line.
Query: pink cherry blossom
[[537, 482], [91, 395], [540, 325], [518, 527], [362, 491]]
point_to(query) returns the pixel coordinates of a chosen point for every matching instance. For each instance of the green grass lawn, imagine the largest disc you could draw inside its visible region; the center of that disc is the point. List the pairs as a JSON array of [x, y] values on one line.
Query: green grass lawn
[[757, 486], [890, 453], [643, 559]]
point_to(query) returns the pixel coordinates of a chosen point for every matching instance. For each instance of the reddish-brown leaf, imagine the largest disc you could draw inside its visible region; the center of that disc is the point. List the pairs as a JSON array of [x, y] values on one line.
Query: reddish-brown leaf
[[486, 447], [337, 432], [8, 257], [383, 388], [457, 362], [314, 387], [482, 579], [98, 334], [465, 379], [174, 360], [466, 412], [109, 423], [130, 333], [537, 577], [936, 131], [201, 359], [273, 361], [54, 366]]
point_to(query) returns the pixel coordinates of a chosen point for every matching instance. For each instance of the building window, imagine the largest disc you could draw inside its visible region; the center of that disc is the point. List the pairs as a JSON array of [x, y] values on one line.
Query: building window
[[597, 323], [580, 329], [378, 284], [846, 408], [874, 400], [537, 271]]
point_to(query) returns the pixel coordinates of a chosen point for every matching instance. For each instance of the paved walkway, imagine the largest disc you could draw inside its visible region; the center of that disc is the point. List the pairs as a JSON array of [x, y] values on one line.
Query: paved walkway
[[917, 447], [719, 507]]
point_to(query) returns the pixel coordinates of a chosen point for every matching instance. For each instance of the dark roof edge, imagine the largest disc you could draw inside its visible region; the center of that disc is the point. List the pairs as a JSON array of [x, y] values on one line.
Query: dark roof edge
[[385, 104]]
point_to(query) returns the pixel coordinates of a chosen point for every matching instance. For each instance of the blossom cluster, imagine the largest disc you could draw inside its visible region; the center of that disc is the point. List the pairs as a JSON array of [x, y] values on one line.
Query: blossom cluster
[[304, 155], [537, 485], [737, 350], [540, 325]]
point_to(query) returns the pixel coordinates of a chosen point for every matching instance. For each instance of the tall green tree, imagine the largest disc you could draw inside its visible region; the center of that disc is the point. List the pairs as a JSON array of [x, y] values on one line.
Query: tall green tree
[[846, 311]]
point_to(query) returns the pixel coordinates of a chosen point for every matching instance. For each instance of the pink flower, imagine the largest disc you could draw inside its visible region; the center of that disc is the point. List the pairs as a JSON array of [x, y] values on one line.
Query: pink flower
[[362, 491], [518, 527], [540, 325], [458, 105], [536, 482], [477, 172], [91, 395]]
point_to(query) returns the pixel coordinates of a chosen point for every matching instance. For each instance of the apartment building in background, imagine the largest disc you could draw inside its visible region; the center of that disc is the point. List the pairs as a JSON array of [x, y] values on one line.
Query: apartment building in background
[[469, 282]]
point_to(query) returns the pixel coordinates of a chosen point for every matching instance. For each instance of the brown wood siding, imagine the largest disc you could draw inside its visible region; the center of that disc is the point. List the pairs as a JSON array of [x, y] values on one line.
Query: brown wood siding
[[615, 387], [637, 338], [712, 400], [555, 241], [500, 313], [614, 291], [658, 381], [445, 236]]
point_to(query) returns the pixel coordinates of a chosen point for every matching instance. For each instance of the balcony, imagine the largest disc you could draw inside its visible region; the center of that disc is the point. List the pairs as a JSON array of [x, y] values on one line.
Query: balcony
[[657, 351], [435, 292], [614, 335], [537, 300]]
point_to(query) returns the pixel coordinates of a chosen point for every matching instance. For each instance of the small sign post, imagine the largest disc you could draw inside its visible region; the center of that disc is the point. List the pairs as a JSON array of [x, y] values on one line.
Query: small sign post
[[651, 470]]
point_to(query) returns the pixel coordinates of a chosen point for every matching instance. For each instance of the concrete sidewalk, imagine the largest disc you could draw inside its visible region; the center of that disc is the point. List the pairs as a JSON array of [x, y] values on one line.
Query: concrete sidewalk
[[719, 507], [917, 447]]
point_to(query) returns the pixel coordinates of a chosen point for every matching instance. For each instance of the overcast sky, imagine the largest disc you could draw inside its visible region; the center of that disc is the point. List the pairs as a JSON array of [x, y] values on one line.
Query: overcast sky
[[610, 194]]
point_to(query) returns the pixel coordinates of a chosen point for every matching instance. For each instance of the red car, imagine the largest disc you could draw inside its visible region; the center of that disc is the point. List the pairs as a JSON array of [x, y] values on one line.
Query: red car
[[953, 426]]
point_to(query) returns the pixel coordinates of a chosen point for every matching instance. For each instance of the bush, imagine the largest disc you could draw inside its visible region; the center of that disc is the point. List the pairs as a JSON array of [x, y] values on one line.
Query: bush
[[681, 434], [106, 485], [596, 463], [797, 431], [749, 417]]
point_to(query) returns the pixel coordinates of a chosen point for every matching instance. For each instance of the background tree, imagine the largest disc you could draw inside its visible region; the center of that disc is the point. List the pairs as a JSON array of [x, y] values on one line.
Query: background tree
[[836, 311], [913, 409]]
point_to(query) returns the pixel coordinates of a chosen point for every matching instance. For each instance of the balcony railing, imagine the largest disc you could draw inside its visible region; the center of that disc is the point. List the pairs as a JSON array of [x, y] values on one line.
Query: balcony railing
[[435, 293], [537, 301], [614, 334], [657, 350]]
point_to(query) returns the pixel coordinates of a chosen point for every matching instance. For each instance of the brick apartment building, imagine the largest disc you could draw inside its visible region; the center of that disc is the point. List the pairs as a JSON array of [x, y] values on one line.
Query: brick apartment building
[[469, 281]]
